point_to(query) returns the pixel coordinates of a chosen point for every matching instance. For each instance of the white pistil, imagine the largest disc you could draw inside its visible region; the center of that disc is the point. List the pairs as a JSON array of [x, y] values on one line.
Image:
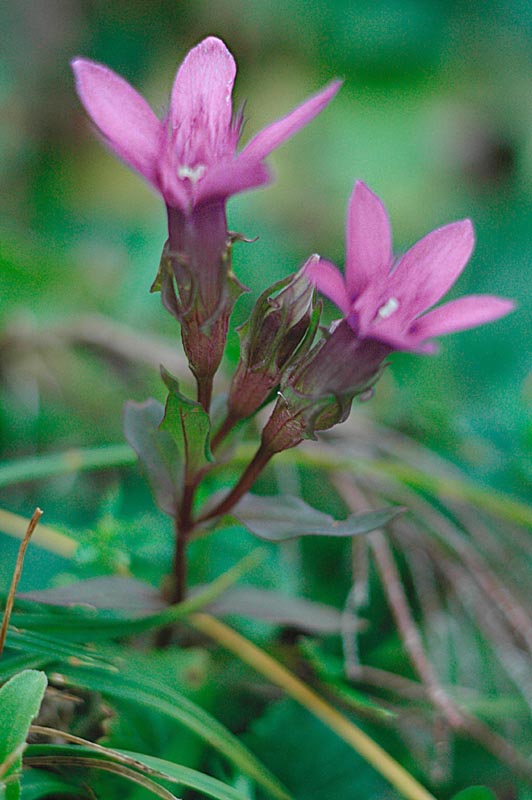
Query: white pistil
[[192, 173], [389, 308]]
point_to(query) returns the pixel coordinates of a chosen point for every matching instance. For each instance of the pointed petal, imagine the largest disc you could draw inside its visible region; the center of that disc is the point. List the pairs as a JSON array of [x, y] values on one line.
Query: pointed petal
[[458, 315], [201, 98], [426, 272], [369, 241], [278, 132], [329, 280], [121, 115], [230, 177]]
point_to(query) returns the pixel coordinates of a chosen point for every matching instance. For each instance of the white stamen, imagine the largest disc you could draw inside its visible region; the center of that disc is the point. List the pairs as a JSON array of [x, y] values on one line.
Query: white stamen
[[192, 173], [388, 308]]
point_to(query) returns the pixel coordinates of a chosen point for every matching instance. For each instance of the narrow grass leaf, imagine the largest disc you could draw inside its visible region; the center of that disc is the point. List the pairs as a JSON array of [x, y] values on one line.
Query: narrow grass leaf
[[174, 705]]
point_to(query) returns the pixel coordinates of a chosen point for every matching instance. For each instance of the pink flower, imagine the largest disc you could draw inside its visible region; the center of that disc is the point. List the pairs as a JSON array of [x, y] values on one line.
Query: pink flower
[[190, 156], [385, 300]]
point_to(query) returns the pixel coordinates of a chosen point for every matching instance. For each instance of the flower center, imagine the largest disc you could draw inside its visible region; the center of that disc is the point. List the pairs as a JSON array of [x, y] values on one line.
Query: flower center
[[194, 174], [389, 308]]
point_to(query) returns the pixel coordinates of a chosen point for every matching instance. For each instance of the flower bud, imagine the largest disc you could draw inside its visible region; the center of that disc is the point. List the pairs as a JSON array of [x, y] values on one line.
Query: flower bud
[[318, 392], [281, 327], [196, 283]]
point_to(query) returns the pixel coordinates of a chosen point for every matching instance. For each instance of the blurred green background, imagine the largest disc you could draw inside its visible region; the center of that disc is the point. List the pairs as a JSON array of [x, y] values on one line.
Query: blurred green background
[[435, 115]]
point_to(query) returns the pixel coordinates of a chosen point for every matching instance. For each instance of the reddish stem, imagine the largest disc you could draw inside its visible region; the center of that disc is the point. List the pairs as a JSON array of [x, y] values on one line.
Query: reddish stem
[[226, 427], [247, 479]]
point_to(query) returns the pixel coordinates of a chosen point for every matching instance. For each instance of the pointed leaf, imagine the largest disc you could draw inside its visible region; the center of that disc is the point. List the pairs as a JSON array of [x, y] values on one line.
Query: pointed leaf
[[156, 768], [280, 517], [157, 452], [188, 425], [53, 649], [281, 609], [116, 592], [156, 696], [20, 700], [37, 784]]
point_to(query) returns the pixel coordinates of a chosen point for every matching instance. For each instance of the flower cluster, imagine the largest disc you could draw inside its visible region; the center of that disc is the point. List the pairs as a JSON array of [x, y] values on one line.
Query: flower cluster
[[191, 159]]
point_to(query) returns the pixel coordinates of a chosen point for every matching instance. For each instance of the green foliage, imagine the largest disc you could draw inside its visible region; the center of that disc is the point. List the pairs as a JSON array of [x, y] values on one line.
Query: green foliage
[[134, 767], [153, 694], [315, 764], [475, 793], [37, 784], [20, 700], [441, 129]]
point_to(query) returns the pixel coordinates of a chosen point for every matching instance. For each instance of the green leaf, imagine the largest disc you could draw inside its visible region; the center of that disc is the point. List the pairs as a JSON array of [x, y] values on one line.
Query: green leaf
[[52, 649], [280, 517], [76, 757], [331, 670], [170, 703], [156, 450], [11, 663], [20, 700], [475, 793], [191, 778], [157, 768], [189, 426], [310, 758], [36, 784]]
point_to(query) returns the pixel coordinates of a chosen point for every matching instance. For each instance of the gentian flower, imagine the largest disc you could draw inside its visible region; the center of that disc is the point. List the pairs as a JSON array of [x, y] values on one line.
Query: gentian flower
[[385, 308], [190, 155], [386, 300]]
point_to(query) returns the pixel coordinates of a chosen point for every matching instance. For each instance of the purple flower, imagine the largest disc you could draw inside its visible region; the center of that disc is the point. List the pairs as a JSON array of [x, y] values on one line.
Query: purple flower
[[385, 300], [190, 156]]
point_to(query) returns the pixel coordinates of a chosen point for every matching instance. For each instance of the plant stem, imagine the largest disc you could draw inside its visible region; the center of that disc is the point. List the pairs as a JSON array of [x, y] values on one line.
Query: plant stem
[[37, 514], [183, 527], [226, 427], [247, 479]]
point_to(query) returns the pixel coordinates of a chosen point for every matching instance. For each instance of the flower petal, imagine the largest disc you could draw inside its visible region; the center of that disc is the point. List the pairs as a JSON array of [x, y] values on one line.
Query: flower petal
[[369, 241], [329, 280], [122, 116], [278, 132], [458, 315], [200, 106], [426, 272], [230, 177]]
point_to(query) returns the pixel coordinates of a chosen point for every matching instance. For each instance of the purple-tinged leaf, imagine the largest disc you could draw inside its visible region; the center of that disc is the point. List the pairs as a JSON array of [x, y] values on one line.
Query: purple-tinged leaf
[[277, 518], [115, 592], [281, 609], [156, 450]]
